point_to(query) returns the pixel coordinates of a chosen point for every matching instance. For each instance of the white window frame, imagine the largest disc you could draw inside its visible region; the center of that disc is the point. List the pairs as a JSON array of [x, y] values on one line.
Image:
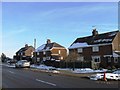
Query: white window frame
[[109, 59], [37, 53], [96, 57], [95, 48], [44, 58], [38, 59], [115, 59], [80, 50], [48, 58], [59, 51], [44, 52], [80, 58], [31, 53], [61, 58], [21, 53]]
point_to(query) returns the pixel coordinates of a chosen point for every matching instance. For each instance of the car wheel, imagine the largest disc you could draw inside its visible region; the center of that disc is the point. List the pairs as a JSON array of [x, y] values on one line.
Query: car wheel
[[28, 67]]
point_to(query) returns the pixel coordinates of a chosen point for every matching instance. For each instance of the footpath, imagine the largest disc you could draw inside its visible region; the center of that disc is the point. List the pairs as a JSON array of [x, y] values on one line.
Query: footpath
[[63, 72]]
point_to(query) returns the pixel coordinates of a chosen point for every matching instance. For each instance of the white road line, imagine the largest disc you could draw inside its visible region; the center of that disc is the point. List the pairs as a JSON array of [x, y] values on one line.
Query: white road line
[[11, 72], [46, 82]]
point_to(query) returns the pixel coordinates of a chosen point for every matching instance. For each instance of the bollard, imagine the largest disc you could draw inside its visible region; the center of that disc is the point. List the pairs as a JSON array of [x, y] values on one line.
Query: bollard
[[104, 77]]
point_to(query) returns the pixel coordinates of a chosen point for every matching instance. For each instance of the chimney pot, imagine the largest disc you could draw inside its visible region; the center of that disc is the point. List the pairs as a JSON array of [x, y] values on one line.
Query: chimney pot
[[26, 45], [94, 32], [48, 41]]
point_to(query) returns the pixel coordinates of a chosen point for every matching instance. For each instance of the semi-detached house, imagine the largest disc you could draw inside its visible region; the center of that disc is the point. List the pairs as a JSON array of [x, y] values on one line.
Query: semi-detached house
[[25, 53], [102, 50], [50, 51]]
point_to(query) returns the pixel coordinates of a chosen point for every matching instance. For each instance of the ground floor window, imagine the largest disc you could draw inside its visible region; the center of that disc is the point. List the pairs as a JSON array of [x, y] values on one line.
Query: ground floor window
[[61, 58], [44, 58], [96, 59], [37, 53], [115, 59], [48, 58], [109, 59], [38, 59], [80, 58]]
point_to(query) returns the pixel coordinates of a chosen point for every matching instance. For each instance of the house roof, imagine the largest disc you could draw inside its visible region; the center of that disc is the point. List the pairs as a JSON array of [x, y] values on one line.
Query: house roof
[[23, 49], [116, 54], [104, 38], [48, 46]]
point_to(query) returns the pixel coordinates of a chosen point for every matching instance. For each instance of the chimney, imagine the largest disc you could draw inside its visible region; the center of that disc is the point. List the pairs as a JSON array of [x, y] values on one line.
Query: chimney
[[48, 41], [94, 32], [26, 45]]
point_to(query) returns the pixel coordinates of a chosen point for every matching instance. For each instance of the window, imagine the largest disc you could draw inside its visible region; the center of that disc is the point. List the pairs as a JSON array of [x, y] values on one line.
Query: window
[[44, 52], [37, 53], [109, 59], [48, 58], [38, 59], [115, 59], [59, 51], [80, 50], [21, 53], [96, 59], [95, 49], [80, 58], [31, 53], [61, 58], [44, 58]]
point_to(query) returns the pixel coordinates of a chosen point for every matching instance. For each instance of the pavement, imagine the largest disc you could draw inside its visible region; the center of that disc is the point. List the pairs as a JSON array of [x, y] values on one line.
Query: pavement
[[61, 72], [64, 72]]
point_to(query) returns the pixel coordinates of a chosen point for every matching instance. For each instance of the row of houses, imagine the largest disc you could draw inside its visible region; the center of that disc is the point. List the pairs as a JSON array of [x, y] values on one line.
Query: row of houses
[[101, 50]]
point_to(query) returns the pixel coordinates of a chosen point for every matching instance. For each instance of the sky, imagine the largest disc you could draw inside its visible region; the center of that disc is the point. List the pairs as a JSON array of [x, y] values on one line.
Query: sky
[[62, 22]]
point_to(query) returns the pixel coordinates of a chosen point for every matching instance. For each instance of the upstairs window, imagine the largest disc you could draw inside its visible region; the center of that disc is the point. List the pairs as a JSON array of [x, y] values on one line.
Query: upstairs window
[[95, 49], [80, 50], [59, 52]]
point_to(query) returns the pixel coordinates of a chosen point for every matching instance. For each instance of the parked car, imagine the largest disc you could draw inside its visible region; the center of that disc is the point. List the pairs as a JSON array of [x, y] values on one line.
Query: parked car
[[109, 76], [22, 63], [97, 76], [11, 61]]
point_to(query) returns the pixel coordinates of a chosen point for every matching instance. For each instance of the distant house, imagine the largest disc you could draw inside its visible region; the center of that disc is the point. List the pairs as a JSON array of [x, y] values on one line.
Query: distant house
[[51, 51], [25, 53], [102, 50]]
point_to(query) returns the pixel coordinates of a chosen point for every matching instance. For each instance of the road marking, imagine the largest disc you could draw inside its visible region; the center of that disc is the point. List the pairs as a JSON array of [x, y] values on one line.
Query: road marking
[[46, 82], [11, 72]]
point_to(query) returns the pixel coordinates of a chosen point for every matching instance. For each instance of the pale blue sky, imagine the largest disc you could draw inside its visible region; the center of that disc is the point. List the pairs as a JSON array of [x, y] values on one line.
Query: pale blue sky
[[60, 22]]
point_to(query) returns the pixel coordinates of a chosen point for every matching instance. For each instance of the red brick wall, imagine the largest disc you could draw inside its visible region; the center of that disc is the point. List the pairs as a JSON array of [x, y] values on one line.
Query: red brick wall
[[63, 52]]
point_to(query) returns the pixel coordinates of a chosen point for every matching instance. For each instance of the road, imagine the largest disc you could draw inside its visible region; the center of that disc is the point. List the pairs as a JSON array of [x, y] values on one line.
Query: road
[[27, 78]]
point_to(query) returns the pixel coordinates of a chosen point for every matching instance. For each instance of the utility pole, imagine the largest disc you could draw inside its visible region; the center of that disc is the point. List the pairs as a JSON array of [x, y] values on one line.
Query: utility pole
[[35, 43], [34, 51]]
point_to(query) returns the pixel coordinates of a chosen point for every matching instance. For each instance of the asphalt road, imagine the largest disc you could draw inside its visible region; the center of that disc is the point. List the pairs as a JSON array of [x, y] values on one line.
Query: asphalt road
[[26, 78]]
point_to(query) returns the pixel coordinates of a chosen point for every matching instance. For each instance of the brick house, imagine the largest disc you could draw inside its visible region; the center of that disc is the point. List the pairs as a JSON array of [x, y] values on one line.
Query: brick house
[[50, 51], [25, 53], [101, 50]]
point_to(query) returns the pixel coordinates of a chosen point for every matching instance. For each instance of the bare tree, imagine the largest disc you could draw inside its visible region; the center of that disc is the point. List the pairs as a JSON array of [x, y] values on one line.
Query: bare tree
[[3, 57], [72, 57]]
